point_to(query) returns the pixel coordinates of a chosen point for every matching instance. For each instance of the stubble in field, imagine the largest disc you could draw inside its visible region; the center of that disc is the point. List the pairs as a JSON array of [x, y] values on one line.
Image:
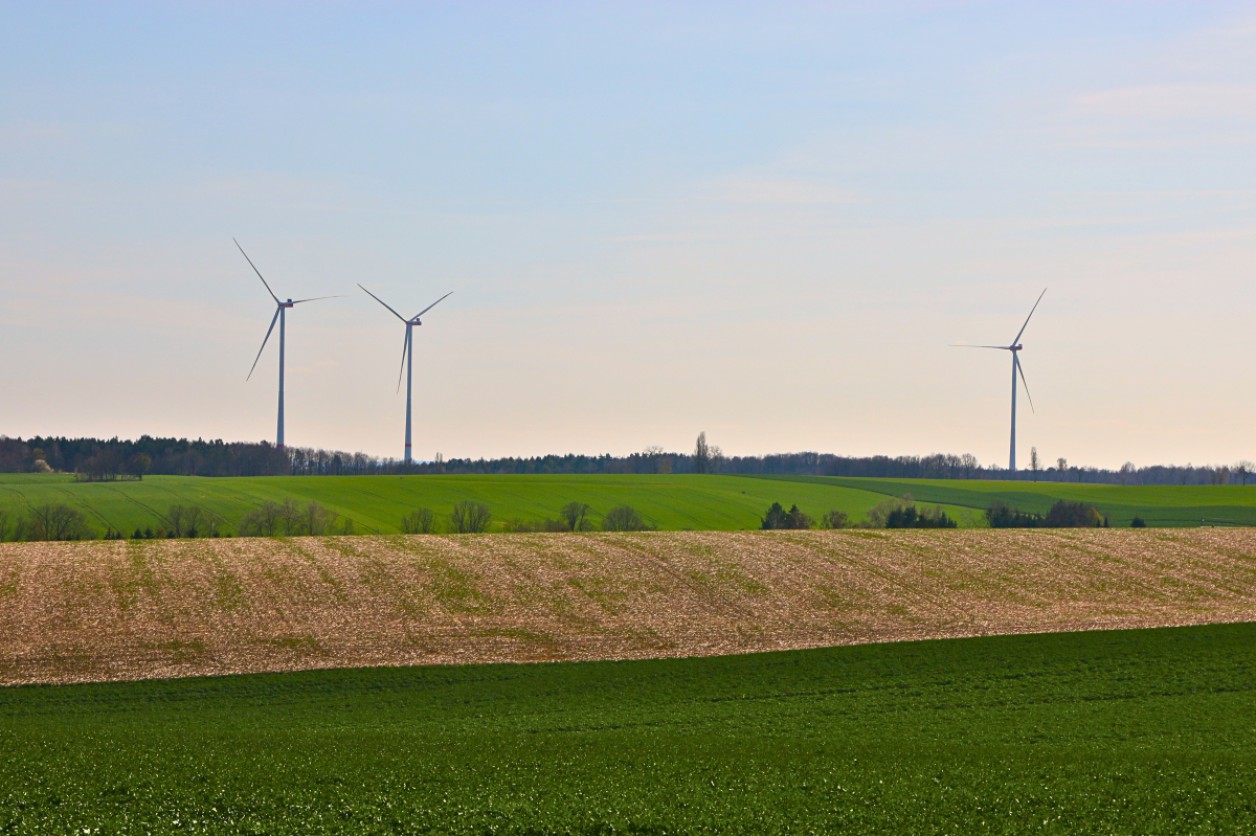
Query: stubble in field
[[108, 611]]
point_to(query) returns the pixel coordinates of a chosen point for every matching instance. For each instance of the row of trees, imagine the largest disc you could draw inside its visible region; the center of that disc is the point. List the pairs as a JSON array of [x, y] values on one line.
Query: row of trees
[[98, 459], [1063, 514], [474, 517]]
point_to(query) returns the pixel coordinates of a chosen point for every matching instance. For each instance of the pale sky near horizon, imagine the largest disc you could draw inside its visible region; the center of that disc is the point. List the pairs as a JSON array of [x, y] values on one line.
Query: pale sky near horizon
[[764, 221]]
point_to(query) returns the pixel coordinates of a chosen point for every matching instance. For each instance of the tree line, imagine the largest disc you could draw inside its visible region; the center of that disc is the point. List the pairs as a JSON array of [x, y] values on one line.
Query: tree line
[[100, 459]]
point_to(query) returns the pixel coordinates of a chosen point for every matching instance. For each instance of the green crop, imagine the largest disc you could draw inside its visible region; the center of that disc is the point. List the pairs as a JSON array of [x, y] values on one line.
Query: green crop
[[1158, 505], [377, 504], [1135, 731]]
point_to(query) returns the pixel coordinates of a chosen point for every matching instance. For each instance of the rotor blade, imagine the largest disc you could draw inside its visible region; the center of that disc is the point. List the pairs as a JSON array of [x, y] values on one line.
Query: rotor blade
[[405, 345], [317, 298], [255, 270], [264, 339], [434, 304], [1019, 368], [1031, 315], [966, 345], [382, 302]]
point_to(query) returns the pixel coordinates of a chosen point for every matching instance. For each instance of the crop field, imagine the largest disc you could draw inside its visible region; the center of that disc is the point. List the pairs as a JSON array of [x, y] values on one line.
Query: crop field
[[1158, 505], [376, 504], [1150, 731], [135, 609]]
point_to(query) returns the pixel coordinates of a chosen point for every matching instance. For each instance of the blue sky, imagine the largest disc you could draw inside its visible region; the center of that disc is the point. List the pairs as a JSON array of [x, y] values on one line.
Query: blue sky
[[763, 221]]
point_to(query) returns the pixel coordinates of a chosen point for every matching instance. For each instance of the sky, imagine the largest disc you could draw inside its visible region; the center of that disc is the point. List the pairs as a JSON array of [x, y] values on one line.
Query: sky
[[767, 222]]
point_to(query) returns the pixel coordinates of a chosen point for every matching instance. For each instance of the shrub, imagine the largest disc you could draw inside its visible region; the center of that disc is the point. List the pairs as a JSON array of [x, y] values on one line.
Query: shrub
[[623, 518], [1000, 515], [1064, 514], [909, 517], [879, 513], [470, 517], [834, 519], [419, 521], [778, 518], [1138, 522]]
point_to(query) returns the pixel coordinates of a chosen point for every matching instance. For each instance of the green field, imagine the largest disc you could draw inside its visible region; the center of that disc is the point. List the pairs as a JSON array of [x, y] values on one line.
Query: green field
[[1160, 505], [376, 504], [1135, 731]]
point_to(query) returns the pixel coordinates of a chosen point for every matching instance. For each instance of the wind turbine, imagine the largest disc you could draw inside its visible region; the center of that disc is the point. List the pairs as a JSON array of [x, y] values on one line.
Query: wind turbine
[[280, 309], [407, 356], [1015, 348]]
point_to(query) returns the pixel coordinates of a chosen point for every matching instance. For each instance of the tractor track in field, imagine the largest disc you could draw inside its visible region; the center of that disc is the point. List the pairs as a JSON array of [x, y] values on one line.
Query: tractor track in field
[[72, 612]]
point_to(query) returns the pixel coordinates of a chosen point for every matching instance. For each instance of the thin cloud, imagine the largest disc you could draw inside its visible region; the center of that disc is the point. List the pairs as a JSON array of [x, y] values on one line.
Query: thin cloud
[[1169, 102], [780, 192]]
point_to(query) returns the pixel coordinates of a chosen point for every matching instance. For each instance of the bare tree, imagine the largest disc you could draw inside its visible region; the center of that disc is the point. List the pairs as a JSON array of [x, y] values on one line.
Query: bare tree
[[1061, 464], [1034, 463], [184, 520], [1243, 469], [701, 455], [315, 519], [470, 517], [263, 521], [54, 521], [212, 523], [419, 521]]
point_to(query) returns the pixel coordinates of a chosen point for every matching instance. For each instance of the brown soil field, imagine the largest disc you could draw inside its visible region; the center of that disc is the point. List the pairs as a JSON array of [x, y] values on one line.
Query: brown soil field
[[72, 612]]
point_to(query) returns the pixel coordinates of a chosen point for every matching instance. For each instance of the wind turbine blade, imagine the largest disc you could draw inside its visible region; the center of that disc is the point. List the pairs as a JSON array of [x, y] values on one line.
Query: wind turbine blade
[[1021, 369], [318, 298], [434, 304], [966, 345], [405, 345], [264, 339], [385, 304], [255, 270], [1031, 315]]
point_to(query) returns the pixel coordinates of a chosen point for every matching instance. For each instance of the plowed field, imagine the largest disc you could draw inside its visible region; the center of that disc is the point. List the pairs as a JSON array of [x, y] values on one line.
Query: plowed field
[[110, 611]]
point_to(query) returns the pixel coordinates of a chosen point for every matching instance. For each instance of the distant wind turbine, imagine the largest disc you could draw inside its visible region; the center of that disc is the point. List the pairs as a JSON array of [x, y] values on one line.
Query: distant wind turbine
[[280, 308], [407, 356], [1015, 348]]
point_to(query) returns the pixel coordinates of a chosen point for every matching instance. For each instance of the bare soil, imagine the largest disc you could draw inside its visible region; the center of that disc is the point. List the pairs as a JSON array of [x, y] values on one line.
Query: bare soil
[[73, 612]]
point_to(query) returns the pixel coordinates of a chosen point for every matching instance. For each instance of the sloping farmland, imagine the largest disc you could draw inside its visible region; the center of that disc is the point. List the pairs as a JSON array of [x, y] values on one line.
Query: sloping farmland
[[133, 610]]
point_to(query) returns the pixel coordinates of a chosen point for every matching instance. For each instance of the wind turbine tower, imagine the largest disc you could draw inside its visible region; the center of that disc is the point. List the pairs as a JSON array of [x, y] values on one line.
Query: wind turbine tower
[[280, 309], [1015, 348], [407, 357]]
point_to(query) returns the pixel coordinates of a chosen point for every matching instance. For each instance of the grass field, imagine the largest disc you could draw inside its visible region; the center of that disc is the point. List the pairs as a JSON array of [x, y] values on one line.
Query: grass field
[[377, 504], [1133, 732], [1159, 505]]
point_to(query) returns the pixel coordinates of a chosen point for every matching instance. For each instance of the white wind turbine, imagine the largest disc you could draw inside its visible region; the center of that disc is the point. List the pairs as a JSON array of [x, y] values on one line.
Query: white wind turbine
[[407, 356], [1015, 348], [280, 308]]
